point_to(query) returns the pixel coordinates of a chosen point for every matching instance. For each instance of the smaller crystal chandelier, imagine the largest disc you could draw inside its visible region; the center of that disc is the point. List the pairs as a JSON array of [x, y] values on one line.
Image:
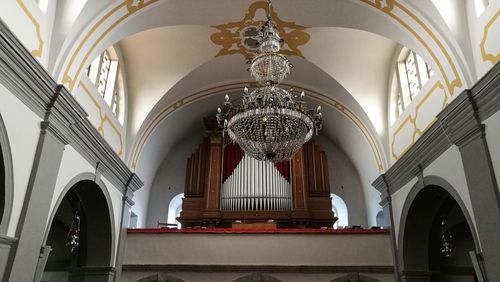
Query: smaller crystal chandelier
[[73, 237], [448, 248], [272, 123]]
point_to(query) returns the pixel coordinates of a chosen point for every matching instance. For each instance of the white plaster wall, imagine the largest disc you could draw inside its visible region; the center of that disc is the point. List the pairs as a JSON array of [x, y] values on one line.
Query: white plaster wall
[[258, 249], [449, 166], [493, 139], [170, 179], [30, 25], [398, 201], [477, 27], [345, 181], [454, 15], [23, 129]]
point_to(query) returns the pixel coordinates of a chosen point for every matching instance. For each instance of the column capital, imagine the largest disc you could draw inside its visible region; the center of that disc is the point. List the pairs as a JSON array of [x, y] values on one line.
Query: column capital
[[460, 120], [382, 186]]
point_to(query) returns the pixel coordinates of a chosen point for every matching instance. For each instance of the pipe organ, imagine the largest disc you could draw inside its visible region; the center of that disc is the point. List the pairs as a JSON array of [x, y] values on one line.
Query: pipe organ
[[254, 185], [224, 185]]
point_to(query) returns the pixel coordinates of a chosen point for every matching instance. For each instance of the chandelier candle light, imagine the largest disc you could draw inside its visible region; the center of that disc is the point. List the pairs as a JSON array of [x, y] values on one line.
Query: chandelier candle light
[[272, 123]]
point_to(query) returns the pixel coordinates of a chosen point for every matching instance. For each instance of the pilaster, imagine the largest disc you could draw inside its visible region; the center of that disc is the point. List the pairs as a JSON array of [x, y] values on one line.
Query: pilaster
[[6, 244], [461, 121], [127, 204], [36, 207], [382, 186]]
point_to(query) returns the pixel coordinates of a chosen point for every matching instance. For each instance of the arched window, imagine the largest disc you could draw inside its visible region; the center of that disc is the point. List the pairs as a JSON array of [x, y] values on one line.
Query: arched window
[[340, 209], [411, 74], [105, 73], [174, 209]]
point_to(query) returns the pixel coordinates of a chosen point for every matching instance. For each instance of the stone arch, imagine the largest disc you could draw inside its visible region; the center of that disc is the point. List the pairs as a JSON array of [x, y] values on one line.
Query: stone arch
[[355, 277], [97, 230], [426, 203], [6, 179], [257, 277], [160, 277]]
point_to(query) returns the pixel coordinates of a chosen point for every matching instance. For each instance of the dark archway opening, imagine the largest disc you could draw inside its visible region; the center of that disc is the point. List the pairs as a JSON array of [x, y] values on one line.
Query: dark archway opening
[[2, 186], [90, 260], [423, 243]]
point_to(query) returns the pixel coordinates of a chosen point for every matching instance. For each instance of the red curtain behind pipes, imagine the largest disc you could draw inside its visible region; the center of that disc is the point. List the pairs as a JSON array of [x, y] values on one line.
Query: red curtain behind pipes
[[284, 169], [233, 155]]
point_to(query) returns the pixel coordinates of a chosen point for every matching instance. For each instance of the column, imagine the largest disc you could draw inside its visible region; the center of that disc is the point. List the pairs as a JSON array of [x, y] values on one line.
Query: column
[[127, 204], [381, 185], [36, 207], [462, 124]]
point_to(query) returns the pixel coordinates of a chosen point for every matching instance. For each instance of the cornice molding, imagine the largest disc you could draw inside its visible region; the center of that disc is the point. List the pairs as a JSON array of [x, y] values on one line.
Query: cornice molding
[[59, 111], [260, 268], [457, 124], [7, 241]]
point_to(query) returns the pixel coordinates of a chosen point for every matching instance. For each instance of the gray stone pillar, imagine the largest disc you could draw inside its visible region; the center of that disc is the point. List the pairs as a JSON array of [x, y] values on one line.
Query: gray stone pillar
[[465, 130], [6, 244], [36, 208], [127, 204], [381, 185]]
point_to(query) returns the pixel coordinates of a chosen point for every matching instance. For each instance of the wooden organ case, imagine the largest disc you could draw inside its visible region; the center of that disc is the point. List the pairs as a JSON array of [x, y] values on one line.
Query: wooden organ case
[[224, 185]]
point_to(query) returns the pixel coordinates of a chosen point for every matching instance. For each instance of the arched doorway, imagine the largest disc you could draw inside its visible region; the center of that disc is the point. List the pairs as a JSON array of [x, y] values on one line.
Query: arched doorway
[[83, 213], [355, 277], [434, 217], [2, 186], [257, 277], [6, 178]]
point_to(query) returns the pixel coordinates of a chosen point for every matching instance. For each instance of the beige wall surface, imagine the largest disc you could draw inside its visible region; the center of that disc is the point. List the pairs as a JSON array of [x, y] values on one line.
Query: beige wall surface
[[259, 249]]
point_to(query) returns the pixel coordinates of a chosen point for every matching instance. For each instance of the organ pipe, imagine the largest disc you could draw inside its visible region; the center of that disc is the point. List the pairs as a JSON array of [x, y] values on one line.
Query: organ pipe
[[255, 185]]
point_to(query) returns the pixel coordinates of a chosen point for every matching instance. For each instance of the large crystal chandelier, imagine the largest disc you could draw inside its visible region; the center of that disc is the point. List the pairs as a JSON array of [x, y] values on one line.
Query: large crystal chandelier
[[272, 123]]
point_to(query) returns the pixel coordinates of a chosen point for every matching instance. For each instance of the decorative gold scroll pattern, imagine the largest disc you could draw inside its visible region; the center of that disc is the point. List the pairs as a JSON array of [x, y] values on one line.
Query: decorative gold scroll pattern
[[132, 7], [103, 117], [229, 36], [388, 6], [493, 58], [170, 108], [413, 121], [37, 52]]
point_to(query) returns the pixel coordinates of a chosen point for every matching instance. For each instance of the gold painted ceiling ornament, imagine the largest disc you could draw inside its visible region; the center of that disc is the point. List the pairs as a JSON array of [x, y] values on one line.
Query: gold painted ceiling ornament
[[242, 37]]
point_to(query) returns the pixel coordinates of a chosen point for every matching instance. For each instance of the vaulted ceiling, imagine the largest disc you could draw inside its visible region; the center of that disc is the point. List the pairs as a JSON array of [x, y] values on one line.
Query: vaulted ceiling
[[182, 56]]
